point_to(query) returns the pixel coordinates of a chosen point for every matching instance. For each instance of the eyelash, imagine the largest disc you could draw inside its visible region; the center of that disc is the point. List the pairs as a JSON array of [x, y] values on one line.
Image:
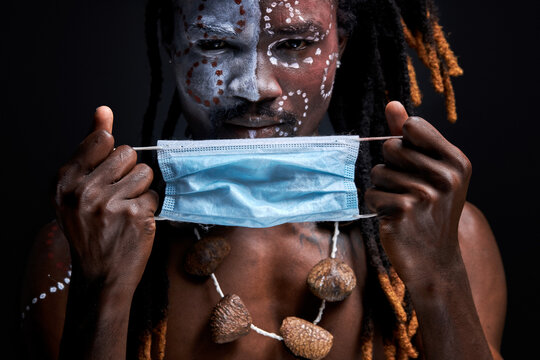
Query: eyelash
[[212, 45], [287, 44]]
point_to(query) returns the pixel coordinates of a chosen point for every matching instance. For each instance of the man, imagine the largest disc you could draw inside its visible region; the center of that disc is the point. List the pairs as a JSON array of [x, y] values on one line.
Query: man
[[251, 69]]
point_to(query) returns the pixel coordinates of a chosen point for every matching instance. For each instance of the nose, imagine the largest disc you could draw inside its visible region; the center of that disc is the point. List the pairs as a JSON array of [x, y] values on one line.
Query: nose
[[257, 82], [267, 82]]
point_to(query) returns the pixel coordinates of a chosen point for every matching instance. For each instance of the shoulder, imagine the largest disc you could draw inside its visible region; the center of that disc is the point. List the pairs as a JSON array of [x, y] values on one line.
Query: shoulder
[[44, 290], [477, 241], [485, 271]]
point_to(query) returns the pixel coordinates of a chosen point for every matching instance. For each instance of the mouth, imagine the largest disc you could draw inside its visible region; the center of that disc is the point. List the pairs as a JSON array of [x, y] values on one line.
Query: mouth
[[255, 122], [257, 127]]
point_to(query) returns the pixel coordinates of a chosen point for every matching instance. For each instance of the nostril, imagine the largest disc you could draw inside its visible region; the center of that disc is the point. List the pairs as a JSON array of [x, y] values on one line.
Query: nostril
[[244, 87]]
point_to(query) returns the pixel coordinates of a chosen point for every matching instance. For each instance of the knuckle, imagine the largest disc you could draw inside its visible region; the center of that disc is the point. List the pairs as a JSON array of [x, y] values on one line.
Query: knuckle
[[149, 225], [133, 210], [103, 138], [449, 180], [376, 172], [86, 194], [412, 123], [63, 172], [465, 166], [426, 194], [126, 152], [407, 205], [390, 146], [144, 171]]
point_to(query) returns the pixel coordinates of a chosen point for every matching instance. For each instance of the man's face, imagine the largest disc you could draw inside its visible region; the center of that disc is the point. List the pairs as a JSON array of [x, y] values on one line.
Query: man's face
[[255, 68]]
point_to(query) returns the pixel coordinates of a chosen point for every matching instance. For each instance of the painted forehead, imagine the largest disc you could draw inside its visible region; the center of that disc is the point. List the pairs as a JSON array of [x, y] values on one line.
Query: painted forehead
[[220, 18]]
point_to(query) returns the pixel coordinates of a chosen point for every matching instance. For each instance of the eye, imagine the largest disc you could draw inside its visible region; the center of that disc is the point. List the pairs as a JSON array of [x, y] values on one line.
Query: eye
[[294, 44], [212, 45]]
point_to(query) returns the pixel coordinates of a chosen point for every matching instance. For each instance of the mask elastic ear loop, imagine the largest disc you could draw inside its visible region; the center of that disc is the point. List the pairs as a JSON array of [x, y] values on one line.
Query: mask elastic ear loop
[[362, 216]]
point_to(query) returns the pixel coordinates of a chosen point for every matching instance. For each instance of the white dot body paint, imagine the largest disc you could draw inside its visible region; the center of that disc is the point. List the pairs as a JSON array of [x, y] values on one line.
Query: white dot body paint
[[42, 296]]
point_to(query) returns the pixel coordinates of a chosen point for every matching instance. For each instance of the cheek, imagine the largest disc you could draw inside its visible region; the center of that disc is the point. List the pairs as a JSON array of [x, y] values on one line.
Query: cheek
[[307, 90], [202, 80]]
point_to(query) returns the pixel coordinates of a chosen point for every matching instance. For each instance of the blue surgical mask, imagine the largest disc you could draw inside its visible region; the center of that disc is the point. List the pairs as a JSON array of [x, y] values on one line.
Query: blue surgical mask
[[260, 182]]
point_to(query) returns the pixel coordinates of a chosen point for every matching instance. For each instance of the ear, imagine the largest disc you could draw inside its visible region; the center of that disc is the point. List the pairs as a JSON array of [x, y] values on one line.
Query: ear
[[342, 43]]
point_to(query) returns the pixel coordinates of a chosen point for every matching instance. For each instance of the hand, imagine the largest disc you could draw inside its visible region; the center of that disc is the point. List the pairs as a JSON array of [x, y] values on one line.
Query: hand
[[105, 208], [419, 194]]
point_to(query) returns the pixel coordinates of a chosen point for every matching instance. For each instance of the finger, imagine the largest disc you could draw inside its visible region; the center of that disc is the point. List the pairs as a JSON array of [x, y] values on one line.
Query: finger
[[438, 173], [90, 153], [389, 180], [387, 204], [150, 199], [103, 119], [396, 115], [423, 136], [398, 155], [119, 163], [135, 183]]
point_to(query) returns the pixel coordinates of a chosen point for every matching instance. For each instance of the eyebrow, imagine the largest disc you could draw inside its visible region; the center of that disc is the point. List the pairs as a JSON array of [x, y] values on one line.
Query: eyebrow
[[213, 29], [299, 28]]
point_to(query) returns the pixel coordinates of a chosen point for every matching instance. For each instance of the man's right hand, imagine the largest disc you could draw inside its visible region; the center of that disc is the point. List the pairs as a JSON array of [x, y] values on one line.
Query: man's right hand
[[105, 208]]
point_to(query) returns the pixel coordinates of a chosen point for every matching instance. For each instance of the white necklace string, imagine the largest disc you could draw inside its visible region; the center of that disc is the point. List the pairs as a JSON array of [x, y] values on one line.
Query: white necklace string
[[323, 302]]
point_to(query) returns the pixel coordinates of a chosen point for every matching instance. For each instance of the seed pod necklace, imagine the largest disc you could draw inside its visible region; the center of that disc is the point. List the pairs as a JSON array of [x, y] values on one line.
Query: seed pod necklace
[[330, 280]]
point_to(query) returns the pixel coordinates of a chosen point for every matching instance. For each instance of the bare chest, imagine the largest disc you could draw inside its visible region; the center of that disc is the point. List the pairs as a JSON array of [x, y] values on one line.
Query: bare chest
[[267, 269]]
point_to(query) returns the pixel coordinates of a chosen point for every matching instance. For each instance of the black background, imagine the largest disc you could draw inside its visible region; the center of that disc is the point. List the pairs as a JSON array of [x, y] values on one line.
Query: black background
[[60, 60]]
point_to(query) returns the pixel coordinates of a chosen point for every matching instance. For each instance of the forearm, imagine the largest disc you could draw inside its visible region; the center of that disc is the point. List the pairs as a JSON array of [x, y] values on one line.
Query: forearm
[[96, 324], [448, 320]]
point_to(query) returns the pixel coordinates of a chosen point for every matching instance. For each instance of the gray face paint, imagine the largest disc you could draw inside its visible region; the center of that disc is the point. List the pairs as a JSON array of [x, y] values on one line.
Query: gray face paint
[[215, 49], [254, 68]]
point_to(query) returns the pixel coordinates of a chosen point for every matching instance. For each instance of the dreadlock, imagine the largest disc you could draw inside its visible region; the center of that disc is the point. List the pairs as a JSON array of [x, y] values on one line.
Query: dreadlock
[[376, 68]]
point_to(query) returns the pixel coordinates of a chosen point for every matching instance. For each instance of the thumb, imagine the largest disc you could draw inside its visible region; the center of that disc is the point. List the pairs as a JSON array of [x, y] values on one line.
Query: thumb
[[396, 115], [103, 119]]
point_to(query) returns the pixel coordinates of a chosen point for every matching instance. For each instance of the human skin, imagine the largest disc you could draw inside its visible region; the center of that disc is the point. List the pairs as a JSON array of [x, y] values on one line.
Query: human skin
[[441, 247], [275, 61]]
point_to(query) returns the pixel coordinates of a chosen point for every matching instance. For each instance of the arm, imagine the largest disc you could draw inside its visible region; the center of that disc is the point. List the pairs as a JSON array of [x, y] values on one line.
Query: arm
[[419, 195], [106, 212], [47, 273], [485, 272]]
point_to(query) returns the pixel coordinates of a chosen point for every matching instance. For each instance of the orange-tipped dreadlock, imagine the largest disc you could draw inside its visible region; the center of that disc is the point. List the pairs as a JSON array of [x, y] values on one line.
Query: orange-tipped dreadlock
[[400, 344], [153, 342], [379, 30], [433, 50]]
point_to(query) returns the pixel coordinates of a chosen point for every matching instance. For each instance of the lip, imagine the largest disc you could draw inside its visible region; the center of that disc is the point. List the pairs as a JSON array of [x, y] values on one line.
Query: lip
[[254, 122]]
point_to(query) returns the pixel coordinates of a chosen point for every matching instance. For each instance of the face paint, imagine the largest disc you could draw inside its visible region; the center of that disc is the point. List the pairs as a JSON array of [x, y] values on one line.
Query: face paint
[[249, 68]]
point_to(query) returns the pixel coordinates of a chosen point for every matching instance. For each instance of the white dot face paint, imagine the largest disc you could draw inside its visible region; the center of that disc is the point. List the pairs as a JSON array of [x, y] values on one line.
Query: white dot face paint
[[262, 61]]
